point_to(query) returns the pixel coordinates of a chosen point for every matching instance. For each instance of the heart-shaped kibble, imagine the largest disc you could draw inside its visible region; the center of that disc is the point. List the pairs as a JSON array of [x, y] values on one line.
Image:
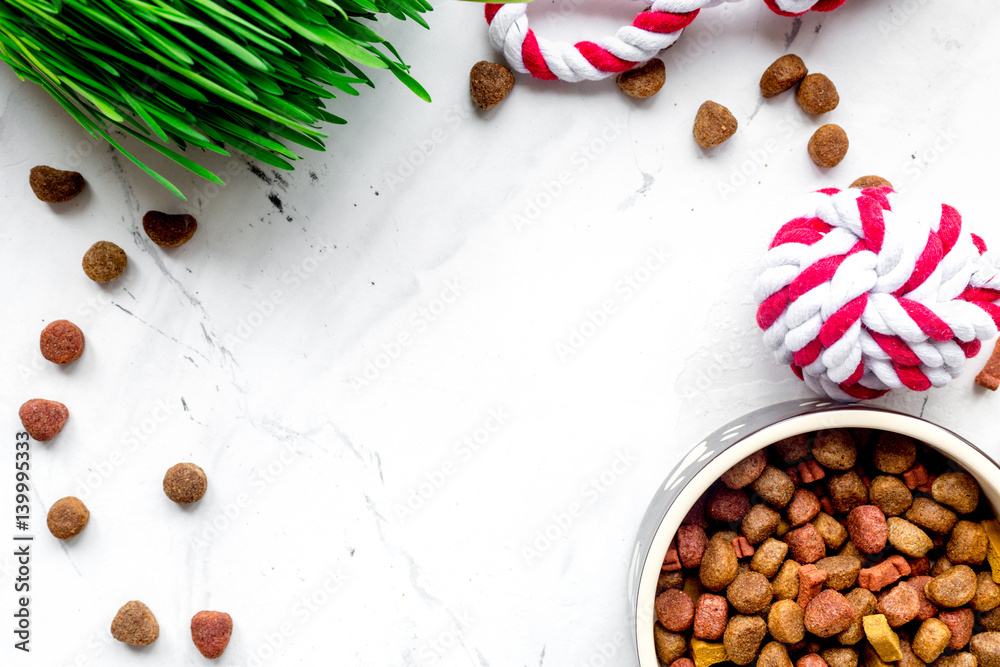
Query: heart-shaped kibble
[[644, 81], [135, 624], [210, 632], [55, 186], [169, 231], [489, 84], [43, 419]]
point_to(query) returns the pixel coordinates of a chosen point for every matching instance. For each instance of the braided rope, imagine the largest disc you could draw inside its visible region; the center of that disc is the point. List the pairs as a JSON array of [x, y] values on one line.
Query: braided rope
[[652, 31], [861, 298]]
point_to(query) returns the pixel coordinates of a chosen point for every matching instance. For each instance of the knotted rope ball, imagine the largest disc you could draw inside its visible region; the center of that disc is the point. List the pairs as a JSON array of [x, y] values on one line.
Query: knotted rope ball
[[652, 31], [862, 296]]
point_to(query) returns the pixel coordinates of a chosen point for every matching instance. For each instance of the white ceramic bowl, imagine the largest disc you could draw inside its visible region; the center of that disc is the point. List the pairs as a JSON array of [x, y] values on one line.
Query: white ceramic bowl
[[707, 461]]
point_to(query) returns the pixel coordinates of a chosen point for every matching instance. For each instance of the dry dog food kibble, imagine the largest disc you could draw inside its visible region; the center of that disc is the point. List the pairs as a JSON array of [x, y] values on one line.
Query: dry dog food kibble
[[817, 94], [210, 632], [489, 84], [54, 185], [43, 419], [104, 262], [644, 81], [713, 124], [135, 624], [828, 146], [870, 182], [61, 342], [68, 517], [185, 483], [169, 231], [782, 75], [831, 549]]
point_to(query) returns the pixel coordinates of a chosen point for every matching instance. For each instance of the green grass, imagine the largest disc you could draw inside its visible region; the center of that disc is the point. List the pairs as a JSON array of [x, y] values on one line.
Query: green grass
[[187, 76]]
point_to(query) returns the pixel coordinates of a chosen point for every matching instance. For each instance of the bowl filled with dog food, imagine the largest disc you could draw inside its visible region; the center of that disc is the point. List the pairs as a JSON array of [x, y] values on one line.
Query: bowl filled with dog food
[[816, 534]]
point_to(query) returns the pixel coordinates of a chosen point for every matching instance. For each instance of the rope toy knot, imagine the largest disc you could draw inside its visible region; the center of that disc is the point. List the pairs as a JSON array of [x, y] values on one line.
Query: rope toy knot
[[860, 297], [652, 31]]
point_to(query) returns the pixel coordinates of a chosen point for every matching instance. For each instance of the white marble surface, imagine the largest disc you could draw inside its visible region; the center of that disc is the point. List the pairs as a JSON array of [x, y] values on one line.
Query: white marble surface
[[375, 373]]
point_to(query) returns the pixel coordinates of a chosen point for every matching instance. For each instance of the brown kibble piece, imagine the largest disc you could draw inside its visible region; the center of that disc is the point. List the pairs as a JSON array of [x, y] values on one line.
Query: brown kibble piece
[[185, 483], [749, 593], [169, 231], [742, 547], [697, 516], [908, 539], [782, 75], [841, 571], [68, 517], [894, 453], [890, 495], [803, 507], [868, 528], [941, 565], [989, 377], [828, 614], [967, 543], [728, 504], [957, 490], [769, 556], [991, 619], [835, 449], [916, 476], [760, 523], [774, 486], [674, 610], [805, 544], [710, 616], [987, 593], [960, 622], [55, 186], [954, 588], [832, 531], [61, 342], [746, 471], [42, 418], [489, 84], [786, 621], [691, 541], [865, 182], [931, 516], [828, 146], [793, 448], [840, 657], [931, 640], [718, 565], [135, 624], [669, 579], [817, 94], [965, 659], [104, 262], [644, 81], [210, 632], [671, 561], [810, 471], [899, 605], [774, 654], [713, 124], [742, 638], [986, 647], [847, 491], [786, 583], [864, 604]]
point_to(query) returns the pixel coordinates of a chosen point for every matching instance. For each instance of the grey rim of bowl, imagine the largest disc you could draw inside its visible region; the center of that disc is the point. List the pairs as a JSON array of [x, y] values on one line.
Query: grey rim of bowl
[[786, 420]]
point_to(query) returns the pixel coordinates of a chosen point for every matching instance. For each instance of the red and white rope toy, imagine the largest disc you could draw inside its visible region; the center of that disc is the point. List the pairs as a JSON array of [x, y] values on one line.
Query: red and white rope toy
[[652, 31], [860, 297]]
